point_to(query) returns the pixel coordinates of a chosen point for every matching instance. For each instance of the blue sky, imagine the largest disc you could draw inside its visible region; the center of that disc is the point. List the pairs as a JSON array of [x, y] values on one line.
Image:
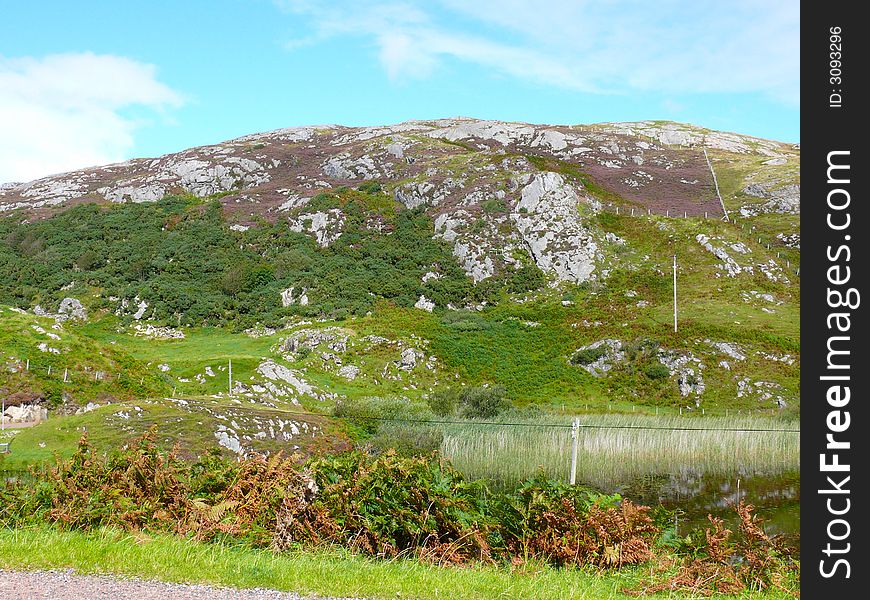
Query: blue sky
[[88, 82]]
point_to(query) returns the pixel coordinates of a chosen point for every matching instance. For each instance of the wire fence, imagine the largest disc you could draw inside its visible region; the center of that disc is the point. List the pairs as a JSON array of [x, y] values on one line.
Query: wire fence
[[610, 447]]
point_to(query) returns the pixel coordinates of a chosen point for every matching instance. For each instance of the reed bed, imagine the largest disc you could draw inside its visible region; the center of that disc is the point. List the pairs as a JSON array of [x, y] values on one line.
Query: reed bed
[[616, 449]]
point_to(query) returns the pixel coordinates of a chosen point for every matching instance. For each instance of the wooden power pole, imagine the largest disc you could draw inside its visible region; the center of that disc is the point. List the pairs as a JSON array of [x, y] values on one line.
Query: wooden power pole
[[675, 293]]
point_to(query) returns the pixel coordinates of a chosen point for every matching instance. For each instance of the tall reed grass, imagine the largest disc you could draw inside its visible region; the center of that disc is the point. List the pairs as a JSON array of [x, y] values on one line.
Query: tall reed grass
[[613, 449]]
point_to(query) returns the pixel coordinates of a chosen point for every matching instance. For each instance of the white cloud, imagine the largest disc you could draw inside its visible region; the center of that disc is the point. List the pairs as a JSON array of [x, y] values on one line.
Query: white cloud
[[66, 111], [671, 46]]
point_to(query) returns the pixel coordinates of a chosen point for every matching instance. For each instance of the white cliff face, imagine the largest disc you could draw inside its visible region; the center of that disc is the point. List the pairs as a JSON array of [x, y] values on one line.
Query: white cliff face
[[343, 166], [740, 261], [151, 192], [203, 178], [288, 134], [140, 309], [503, 133], [72, 308], [728, 265], [470, 249], [48, 191], [288, 298], [548, 221]]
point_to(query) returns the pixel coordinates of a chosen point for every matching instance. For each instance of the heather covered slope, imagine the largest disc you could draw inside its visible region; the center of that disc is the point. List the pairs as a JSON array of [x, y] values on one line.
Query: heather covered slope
[[494, 189]]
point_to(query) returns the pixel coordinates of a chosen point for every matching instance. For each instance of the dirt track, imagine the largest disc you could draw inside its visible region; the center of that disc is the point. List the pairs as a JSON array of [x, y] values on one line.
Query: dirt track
[[66, 585]]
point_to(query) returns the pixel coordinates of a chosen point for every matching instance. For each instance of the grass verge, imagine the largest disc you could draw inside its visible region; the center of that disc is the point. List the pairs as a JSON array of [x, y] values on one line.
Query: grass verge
[[333, 573]]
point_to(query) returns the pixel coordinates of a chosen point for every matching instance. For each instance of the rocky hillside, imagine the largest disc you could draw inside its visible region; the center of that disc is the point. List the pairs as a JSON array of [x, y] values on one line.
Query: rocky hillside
[[332, 263], [494, 189]]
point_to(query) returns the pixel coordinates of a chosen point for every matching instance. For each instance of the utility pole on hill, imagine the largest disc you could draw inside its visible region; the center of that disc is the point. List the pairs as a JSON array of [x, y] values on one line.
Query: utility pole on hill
[[231, 377], [675, 293]]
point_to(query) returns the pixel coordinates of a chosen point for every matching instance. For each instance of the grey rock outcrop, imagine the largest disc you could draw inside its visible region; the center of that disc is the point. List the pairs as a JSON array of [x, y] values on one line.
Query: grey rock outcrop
[[72, 308], [550, 225]]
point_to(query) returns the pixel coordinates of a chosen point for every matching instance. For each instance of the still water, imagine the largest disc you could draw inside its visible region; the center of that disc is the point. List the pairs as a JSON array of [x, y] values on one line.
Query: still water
[[776, 499]]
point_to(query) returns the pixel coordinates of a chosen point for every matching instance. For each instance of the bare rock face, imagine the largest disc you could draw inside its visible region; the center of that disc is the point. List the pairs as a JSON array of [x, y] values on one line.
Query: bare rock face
[[329, 338], [24, 413], [783, 199], [687, 135], [603, 356], [737, 259], [325, 227], [548, 221], [409, 359], [288, 298], [349, 372], [687, 368], [275, 372]]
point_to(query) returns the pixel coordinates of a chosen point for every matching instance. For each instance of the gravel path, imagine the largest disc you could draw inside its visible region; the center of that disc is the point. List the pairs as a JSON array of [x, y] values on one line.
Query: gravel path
[[66, 585]]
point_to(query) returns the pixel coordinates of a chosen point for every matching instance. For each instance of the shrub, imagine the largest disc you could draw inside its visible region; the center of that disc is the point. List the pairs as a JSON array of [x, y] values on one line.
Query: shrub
[[472, 402], [721, 564], [483, 402], [526, 278], [657, 371], [370, 187], [138, 488], [494, 205], [465, 320], [587, 356], [388, 505], [641, 348], [444, 402], [570, 525], [372, 412], [408, 440]]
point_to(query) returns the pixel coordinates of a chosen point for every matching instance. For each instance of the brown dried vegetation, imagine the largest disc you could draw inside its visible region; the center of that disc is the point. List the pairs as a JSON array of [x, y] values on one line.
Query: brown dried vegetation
[[386, 506], [728, 564]]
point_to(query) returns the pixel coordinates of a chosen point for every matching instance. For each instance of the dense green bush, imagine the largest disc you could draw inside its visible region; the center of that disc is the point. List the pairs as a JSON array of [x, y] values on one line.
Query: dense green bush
[[587, 356], [388, 505], [465, 320], [483, 402], [444, 401], [472, 402], [568, 525], [180, 256], [494, 205], [370, 187], [657, 371]]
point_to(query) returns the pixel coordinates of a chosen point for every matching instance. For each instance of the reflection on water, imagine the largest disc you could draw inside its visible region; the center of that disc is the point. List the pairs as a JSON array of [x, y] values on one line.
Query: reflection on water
[[776, 498]]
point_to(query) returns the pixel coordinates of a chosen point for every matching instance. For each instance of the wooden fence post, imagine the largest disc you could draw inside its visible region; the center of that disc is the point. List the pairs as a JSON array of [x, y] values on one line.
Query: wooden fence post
[[575, 430]]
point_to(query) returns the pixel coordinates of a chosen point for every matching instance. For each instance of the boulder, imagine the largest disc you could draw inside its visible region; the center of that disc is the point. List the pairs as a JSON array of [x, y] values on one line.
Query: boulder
[[72, 308], [424, 304]]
